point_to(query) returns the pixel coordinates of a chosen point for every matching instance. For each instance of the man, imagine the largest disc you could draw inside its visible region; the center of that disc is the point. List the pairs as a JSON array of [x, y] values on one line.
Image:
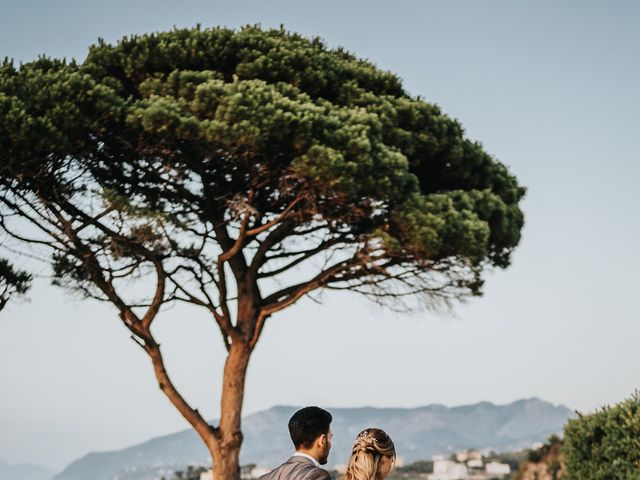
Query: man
[[310, 430]]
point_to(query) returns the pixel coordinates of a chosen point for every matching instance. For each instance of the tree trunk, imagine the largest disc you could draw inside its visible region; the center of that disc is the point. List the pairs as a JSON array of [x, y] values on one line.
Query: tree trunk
[[226, 454]]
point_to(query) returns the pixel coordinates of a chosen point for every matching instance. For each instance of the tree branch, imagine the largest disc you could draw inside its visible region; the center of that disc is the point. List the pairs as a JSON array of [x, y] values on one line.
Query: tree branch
[[272, 239], [306, 254], [158, 298], [195, 419], [278, 219], [287, 296]]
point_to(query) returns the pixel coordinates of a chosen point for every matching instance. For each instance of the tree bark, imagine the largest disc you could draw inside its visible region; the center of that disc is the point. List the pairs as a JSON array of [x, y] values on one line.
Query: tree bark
[[226, 454]]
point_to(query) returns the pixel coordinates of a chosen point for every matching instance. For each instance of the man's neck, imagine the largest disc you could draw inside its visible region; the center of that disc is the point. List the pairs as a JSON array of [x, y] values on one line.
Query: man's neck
[[309, 455]]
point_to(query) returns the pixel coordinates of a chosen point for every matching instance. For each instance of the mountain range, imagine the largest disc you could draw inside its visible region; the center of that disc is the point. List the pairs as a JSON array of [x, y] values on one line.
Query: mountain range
[[23, 472], [418, 434]]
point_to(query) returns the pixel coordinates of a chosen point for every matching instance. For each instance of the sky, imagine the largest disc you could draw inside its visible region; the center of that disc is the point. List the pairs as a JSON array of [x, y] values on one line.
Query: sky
[[550, 89]]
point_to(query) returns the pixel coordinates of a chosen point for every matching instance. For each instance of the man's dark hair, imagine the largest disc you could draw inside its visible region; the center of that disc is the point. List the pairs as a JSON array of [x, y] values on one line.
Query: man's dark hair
[[307, 424]]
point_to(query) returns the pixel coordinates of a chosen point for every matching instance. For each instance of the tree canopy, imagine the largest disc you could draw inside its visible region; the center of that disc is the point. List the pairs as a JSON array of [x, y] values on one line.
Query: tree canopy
[[191, 128], [240, 171]]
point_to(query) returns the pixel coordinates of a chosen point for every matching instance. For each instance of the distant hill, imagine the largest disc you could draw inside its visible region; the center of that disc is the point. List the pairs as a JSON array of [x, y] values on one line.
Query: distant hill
[[418, 433], [23, 472]]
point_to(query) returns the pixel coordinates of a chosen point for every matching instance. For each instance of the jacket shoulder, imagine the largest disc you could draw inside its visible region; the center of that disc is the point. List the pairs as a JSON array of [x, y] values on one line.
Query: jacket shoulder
[[296, 471], [317, 474]]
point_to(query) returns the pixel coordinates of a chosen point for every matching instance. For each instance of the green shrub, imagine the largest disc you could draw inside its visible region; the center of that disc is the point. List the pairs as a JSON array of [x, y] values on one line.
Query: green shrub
[[604, 445]]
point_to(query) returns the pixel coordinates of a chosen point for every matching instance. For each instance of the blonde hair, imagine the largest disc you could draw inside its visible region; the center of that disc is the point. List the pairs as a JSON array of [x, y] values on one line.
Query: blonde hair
[[370, 446]]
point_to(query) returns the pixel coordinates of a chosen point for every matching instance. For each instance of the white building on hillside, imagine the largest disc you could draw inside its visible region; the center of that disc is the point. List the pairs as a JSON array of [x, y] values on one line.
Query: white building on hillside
[[448, 470], [475, 463], [495, 468]]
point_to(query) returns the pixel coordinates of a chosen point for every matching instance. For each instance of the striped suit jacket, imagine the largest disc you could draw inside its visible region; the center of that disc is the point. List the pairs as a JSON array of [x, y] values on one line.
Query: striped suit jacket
[[297, 468]]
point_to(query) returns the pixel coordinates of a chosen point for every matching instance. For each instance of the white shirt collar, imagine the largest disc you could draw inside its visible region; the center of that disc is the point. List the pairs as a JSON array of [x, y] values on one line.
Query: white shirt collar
[[300, 454]]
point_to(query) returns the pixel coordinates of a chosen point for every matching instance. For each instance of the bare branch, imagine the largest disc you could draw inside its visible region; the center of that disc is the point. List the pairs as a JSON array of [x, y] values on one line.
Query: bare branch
[[305, 255], [275, 237], [22, 212], [195, 419], [93, 268], [158, 297], [239, 242], [275, 221], [287, 296], [96, 218], [226, 328]]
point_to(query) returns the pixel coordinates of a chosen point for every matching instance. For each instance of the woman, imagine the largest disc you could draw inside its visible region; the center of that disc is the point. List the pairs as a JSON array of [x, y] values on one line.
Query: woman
[[372, 456]]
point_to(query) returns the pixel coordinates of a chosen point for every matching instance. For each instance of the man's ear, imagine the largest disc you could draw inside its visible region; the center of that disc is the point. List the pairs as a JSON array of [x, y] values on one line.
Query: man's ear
[[322, 439]]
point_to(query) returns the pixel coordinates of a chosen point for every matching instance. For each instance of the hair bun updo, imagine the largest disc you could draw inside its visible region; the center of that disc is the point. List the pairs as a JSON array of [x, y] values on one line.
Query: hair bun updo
[[364, 443], [368, 449]]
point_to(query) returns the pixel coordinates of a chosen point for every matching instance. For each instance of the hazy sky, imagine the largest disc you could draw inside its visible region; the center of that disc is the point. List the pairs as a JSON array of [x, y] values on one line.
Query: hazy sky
[[550, 88]]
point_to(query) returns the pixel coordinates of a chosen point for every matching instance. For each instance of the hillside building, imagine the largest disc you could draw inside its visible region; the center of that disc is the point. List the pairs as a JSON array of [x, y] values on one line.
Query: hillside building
[[496, 468], [448, 470]]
